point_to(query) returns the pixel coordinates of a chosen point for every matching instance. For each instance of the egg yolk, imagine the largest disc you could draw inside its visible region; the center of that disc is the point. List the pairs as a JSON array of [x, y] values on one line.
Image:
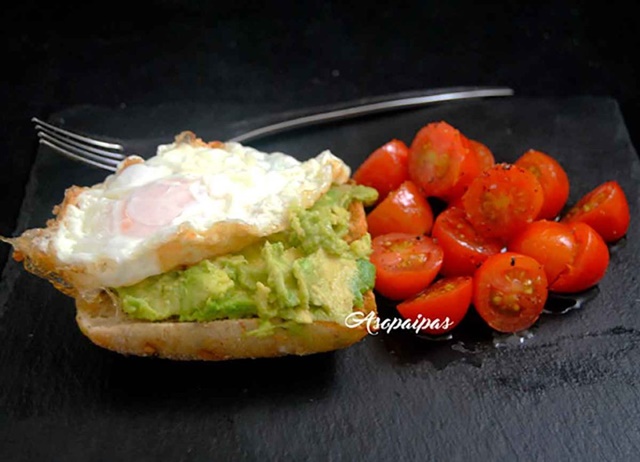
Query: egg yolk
[[154, 206]]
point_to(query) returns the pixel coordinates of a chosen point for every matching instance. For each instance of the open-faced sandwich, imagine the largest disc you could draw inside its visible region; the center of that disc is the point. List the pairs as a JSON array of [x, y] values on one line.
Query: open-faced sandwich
[[212, 251]]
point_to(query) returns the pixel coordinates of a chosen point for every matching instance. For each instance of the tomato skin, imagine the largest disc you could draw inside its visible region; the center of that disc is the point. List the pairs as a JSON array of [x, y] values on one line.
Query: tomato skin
[[447, 298], [605, 209], [552, 178], [404, 210], [441, 161], [550, 243], [405, 264], [464, 249], [502, 201], [509, 291], [589, 265], [456, 203], [574, 256], [483, 153], [470, 168], [385, 169]]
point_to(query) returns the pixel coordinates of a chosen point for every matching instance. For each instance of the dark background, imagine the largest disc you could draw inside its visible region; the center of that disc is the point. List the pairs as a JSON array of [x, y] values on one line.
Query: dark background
[[61, 54], [294, 54]]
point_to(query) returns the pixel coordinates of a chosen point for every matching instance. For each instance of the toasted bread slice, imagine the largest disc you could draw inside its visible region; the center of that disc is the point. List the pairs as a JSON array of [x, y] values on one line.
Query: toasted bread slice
[[102, 322], [212, 341]]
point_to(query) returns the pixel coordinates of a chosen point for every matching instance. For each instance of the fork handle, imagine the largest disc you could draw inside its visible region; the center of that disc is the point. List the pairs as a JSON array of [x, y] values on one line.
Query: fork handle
[[250, 130]]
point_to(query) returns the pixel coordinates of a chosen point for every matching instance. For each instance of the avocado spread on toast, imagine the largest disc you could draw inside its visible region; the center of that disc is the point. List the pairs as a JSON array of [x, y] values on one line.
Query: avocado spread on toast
[[307, 273]]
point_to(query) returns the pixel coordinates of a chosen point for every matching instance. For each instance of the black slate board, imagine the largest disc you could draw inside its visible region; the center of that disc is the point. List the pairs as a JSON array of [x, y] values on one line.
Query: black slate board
[[567, 392]]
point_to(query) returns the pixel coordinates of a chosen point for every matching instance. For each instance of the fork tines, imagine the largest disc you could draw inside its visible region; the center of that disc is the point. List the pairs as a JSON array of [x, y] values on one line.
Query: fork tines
[[78, 147]]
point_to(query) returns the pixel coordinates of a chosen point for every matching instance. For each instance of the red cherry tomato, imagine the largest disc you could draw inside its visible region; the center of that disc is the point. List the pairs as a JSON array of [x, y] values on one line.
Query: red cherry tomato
[[484, 154], [552, 178], [509, 291], [605, 209], [456, 203], [464, 249], [404, 210], [502, 201], [589, 265], [441, 162], [573, 255], [405, 264], [550, 243], [443, 305], [385, 169]]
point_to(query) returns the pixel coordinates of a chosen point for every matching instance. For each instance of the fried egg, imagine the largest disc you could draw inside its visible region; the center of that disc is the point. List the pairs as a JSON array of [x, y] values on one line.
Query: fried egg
[[192, 200]]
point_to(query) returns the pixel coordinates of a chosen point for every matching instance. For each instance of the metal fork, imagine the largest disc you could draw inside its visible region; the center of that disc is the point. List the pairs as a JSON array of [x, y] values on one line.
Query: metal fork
[[107, 155]]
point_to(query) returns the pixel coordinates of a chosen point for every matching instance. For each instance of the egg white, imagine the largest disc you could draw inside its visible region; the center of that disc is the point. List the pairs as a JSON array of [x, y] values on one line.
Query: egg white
[[115, 230]]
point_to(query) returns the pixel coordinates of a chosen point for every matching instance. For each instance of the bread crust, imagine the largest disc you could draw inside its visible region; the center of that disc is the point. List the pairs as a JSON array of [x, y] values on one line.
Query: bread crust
[[106, 326]]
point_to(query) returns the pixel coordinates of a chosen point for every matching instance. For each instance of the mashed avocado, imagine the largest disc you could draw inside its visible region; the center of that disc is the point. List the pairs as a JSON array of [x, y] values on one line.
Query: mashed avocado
[[306, 273]]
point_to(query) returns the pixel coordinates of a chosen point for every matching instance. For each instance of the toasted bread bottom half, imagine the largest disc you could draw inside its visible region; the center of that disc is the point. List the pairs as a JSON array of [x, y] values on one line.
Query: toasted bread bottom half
[[211, 341]]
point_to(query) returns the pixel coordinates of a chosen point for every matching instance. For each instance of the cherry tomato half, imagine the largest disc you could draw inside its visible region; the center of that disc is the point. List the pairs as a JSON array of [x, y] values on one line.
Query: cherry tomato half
[[464, 249], [441, 161], [443, 305], [404, 210], [385, 169], [405, 264], [573, 255], [590, 263], [502, 201], [550, 243], [552, 178], [509, 291], [605, 209], [484, 154]]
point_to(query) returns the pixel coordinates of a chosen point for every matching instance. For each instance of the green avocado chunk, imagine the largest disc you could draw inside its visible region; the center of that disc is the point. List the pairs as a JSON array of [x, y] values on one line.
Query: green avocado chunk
[[306, 273]]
